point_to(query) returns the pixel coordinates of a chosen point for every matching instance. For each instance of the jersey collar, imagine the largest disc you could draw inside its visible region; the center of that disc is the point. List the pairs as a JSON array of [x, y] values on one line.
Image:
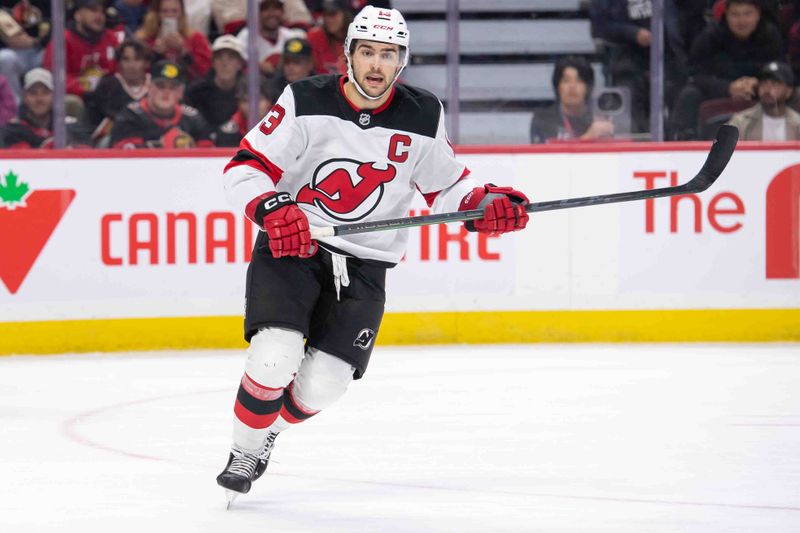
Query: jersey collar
[[383, 106]]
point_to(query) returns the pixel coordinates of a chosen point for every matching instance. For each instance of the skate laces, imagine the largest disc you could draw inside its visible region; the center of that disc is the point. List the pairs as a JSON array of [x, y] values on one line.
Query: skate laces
[[269, 443], [244, 463], [340, 276]]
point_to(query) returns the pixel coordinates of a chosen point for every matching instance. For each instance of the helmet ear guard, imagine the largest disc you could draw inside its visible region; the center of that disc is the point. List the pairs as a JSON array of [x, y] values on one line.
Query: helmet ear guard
[[379, 25]]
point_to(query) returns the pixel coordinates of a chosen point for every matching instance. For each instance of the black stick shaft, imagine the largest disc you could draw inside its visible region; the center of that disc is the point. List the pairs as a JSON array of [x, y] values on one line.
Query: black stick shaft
[[718, 157]]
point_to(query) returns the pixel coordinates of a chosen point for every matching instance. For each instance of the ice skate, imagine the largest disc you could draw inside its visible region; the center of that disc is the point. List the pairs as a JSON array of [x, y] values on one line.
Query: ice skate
[[243, 468]]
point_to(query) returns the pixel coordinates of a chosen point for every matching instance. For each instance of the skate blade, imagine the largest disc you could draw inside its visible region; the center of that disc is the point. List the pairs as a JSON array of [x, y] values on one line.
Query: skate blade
[[231, 495]]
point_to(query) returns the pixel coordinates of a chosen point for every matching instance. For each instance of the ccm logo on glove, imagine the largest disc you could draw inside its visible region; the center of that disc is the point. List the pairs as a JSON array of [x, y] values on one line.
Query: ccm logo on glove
[[285, 224]]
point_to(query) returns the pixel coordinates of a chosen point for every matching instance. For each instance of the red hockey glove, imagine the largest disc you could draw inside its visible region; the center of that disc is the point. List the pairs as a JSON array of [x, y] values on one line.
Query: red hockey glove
[[503, 209], [286, 226]]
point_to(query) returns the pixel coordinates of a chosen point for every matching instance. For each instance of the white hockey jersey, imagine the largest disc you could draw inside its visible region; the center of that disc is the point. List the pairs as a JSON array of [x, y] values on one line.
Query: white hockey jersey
[[342, 164]]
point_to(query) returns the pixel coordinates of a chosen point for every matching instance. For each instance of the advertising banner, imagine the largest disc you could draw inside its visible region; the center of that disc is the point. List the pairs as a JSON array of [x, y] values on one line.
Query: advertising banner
[[141, 237]]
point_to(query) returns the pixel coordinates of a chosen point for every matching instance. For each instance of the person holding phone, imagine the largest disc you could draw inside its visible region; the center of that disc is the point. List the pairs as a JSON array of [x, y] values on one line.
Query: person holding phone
[[168, 34]]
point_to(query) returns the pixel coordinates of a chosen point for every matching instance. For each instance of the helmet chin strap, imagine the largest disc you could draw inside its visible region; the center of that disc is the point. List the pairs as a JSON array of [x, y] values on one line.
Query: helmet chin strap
[[351, 75]]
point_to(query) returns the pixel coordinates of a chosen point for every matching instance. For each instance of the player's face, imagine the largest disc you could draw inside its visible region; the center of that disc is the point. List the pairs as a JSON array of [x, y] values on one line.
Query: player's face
[[163, 96], [38, 99], [742, 19], [297, 68], [131, 67], [227, 64], [375, 65], [571, 88]]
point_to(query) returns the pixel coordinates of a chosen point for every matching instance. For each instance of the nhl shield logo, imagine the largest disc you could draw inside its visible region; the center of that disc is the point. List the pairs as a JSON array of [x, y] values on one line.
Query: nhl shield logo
[[364, 339], [364, 119]]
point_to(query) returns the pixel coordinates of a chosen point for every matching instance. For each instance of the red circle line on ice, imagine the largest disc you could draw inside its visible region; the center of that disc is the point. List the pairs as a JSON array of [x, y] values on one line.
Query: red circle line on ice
[[71, 429]]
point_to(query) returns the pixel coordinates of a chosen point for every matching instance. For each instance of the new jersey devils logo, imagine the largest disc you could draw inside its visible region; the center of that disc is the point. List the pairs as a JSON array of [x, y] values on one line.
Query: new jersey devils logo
[[345, 189]]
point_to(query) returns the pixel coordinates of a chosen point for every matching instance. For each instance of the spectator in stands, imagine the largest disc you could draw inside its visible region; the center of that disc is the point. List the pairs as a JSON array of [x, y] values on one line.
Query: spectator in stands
[[272, 35], [625, 25], [24, 30], [771, 119], [131, 12], [693, 15], [159, 120], [198, 15], [297, 63], [8, 104], [33, 128], [215, 95], [231, 133], [230, 15], [355, 5], [167, 33], [570, 117], [116, 91], [89, 52], [724, 62], [327, 40]]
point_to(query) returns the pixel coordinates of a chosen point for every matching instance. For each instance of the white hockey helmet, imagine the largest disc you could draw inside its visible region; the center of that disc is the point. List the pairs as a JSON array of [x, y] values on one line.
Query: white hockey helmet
[[383, 26]]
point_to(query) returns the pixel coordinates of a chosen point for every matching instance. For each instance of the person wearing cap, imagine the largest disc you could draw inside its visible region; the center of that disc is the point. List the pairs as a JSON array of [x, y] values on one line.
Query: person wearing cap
[[115, 91], [272, 35], [33, 128], [724, 61], [160, 120], [296, 63], [231, 132], [327, 40], [770, 119], [215, 95], [90, 48], [166, 31]]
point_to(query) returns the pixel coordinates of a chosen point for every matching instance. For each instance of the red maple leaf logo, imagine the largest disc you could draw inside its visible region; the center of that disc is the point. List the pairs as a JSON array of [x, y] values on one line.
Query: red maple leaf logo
[[27, 220]]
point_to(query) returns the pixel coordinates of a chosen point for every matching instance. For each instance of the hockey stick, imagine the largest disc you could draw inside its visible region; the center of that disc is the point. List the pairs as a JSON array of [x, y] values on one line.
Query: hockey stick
[[718, 157]]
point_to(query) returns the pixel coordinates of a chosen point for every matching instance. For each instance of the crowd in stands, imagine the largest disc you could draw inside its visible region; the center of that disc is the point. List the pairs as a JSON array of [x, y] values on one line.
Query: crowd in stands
[[171, 73], [724, 60], [159, 73]]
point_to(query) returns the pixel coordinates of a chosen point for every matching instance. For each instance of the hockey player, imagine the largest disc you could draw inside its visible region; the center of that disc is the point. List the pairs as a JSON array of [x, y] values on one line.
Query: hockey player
[[335, 149]]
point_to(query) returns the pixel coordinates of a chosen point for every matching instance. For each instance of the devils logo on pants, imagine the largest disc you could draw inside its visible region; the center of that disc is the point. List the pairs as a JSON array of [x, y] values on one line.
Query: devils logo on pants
[[345, 189]]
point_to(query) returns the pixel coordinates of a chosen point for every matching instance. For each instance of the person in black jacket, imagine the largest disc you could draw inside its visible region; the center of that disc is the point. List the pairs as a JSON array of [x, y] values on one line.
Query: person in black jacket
[[159, 120], [115, 91], [724, 62], [215, 95], [625, 26], [570, 117]]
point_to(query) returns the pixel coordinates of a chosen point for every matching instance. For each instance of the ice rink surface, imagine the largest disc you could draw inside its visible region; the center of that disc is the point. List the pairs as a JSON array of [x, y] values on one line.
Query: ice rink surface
[[545, 438]]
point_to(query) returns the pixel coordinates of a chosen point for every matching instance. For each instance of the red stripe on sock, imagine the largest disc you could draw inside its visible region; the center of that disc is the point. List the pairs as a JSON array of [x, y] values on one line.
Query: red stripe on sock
[[290, 398], [251, 419]]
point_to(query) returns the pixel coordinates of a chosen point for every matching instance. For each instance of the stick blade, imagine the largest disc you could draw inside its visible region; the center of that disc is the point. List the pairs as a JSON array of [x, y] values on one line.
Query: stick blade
[[718, 157]]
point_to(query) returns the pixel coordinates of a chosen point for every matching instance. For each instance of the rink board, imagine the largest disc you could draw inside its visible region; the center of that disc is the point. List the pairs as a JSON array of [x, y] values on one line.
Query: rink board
[[120, 250]]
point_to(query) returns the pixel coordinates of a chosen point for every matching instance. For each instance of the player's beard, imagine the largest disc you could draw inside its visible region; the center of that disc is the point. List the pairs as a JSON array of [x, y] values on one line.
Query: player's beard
[[374, 90]]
